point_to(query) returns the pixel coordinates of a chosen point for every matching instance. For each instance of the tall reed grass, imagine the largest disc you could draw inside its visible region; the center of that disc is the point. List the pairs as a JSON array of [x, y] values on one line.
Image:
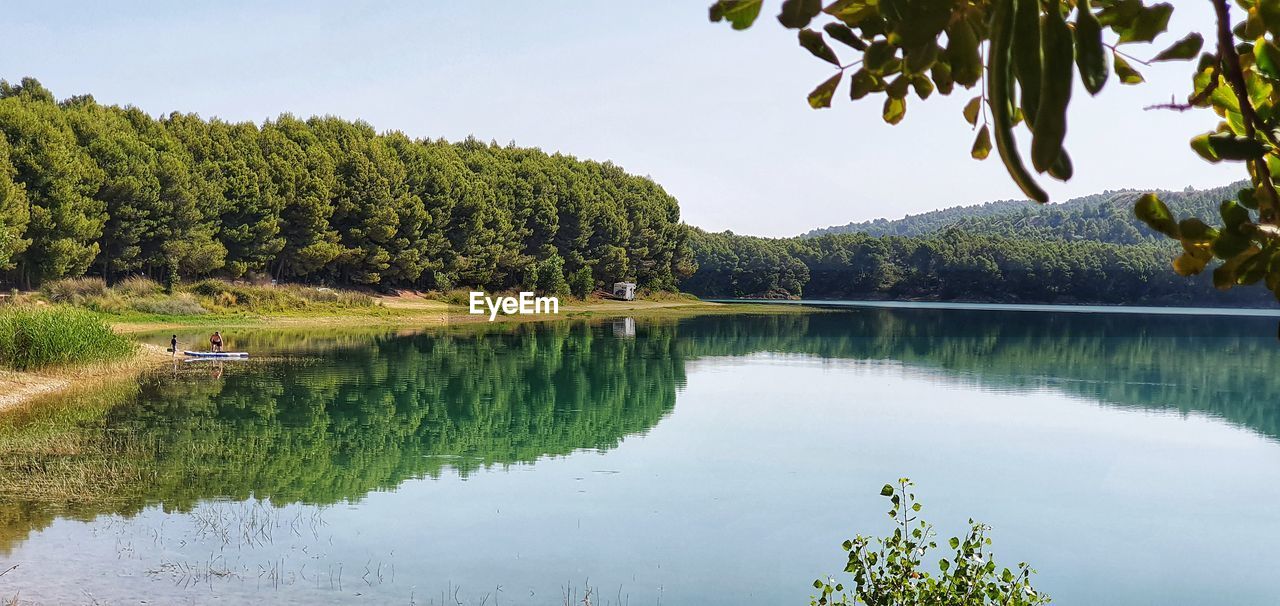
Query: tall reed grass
[[35, 337]]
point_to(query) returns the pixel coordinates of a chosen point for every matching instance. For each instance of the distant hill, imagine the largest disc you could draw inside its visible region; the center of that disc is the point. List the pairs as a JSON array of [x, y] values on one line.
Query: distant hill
[[1087, 250], [1105, 217]]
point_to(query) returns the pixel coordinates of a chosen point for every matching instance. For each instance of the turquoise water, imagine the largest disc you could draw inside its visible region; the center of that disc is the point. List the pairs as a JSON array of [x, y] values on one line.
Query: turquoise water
[[1131, 459]]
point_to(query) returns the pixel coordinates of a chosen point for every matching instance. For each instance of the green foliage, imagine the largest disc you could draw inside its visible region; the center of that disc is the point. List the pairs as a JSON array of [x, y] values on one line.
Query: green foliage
[[743, 266], [14, 211], [932, 46], [1248, 250], [582, 283], [892, 571], [1031, 47], [548, 277], [32, 338], [1091, 249], [138, 286], [172, 278], [60, 180], [114, 192]]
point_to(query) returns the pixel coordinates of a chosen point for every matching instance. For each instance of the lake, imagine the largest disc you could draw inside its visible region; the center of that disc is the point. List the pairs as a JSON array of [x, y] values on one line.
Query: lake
[[1131, 459]]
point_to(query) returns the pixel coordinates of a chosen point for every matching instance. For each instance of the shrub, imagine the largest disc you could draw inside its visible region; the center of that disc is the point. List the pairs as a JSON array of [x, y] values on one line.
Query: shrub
[[311, 294], [172, 278], [208, 288], [457, 296], [226, 299], [581, 283], [181, 304], [110, 302], [219, 294], [147, 296], [137, 286], [549, 276], [74, 290], [350, 298], [215, 295], [891, 571], [40, 337], [341, 298]]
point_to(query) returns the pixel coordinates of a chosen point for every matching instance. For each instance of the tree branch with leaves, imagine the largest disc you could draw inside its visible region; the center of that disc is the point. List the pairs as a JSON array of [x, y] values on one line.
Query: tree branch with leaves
[[1023, 56]]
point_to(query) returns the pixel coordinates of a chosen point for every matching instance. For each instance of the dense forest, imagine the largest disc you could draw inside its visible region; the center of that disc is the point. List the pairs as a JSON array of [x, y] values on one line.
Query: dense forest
[[96, 189], [1088, 250], [111, 191]]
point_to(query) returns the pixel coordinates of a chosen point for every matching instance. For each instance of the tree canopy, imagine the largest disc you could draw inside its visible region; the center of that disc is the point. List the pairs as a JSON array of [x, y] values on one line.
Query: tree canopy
[[112, 191]]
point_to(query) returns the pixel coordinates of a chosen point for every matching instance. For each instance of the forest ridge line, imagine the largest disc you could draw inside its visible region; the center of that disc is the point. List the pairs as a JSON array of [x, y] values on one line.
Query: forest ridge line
[[110, 191], [105, 190]]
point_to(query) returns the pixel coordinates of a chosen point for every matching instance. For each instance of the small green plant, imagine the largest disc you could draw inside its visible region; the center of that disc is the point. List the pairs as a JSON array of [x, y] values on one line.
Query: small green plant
[[890, 571], [54, 336]]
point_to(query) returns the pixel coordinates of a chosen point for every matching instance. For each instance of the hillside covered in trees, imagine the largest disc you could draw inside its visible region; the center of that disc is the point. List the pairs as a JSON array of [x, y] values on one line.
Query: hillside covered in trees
[[1104, 217], [1088, 250], [105, 190]]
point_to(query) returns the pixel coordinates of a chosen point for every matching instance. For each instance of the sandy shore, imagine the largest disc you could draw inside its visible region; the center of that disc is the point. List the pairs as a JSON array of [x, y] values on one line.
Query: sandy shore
[[18, 388]]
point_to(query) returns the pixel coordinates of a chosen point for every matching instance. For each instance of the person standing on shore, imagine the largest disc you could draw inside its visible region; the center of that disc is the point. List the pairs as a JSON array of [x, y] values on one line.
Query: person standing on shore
[[173, 344]]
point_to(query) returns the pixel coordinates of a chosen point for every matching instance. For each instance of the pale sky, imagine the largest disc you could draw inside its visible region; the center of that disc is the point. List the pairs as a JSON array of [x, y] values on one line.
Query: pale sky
[[717, 117]]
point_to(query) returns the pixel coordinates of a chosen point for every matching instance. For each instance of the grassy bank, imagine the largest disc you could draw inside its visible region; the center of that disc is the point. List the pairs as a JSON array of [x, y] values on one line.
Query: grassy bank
[[73, 331], [141, 304], [138, 304]]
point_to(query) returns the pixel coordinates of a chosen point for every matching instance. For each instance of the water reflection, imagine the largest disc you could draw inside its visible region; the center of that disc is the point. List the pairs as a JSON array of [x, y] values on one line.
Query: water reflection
[[330, 418], [337, 422], [1223, 367]]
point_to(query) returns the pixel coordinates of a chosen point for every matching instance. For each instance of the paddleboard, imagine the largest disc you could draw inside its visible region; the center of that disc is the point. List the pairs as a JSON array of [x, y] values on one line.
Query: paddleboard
[[211, 354]]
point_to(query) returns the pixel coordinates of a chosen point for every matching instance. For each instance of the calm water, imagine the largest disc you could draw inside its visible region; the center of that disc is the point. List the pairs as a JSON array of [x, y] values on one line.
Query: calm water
[[717, 460]]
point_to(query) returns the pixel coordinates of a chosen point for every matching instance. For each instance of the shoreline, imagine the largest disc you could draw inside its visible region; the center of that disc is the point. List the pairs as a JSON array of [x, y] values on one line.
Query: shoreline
[[1167, 310], [21, 388]]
